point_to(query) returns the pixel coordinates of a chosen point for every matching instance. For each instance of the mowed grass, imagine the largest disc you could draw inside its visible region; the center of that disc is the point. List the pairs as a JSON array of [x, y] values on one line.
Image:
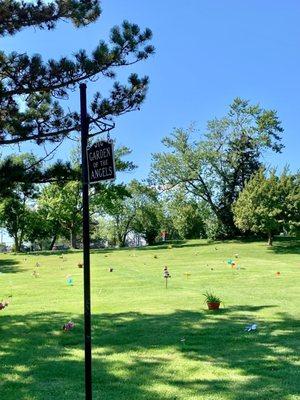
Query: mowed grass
[[138, 324]]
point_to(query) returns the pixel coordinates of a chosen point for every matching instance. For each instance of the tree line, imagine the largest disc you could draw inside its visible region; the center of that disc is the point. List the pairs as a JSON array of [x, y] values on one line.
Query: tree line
[[211, 185]]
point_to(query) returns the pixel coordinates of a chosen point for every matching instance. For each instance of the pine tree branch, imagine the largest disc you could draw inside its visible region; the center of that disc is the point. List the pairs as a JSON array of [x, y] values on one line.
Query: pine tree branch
[[21, 74], [28, 85], [17, 15]]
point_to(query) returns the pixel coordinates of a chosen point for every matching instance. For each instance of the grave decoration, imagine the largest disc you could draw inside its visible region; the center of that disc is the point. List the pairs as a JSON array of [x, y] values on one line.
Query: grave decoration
[[251, 328], [166, 275], [3, 304], [213, 302], [35, 274], [68, 326], [70, 281]]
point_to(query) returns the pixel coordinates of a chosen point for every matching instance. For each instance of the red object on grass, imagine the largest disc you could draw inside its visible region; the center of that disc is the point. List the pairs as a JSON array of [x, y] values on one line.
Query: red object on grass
[[3, 305], [213, 305]]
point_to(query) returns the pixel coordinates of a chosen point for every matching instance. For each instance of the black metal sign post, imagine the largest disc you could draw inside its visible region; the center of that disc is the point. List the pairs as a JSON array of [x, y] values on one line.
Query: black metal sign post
[[86, 244]]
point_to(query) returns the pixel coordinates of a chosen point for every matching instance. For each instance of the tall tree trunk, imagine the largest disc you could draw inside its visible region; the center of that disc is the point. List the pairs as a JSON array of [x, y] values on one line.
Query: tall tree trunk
[[120, 239], [53, 241], [73, 239], [270, 239], [17, 244], [124, 240]]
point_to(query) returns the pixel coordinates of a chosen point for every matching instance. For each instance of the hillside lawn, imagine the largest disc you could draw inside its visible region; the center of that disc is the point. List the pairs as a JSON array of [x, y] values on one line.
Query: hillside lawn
[[150, 342]]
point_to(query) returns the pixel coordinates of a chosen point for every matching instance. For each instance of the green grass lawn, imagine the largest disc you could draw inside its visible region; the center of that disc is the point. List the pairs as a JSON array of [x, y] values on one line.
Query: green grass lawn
[[138, 324]]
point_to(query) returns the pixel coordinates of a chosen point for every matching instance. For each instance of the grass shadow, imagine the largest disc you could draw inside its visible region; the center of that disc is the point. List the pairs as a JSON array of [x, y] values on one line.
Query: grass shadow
[[9, 265], [134, 354], [286, 246]]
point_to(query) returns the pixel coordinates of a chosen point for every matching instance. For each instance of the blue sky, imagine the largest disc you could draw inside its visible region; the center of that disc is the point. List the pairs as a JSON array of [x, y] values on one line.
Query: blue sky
[[207, 53]]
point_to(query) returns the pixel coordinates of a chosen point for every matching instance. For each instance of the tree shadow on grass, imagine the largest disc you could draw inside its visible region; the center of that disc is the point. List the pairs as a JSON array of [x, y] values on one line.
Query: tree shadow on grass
[[135, 354], [286, 246], [9, 265]]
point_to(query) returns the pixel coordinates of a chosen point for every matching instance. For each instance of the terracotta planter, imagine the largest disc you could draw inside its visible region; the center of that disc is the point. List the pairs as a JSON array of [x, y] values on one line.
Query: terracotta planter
[[213, 305]]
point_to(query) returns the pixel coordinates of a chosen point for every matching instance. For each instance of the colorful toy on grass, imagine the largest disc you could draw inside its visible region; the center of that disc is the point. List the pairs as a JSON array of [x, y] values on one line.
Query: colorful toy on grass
[[229, 261], [166, 275], [233, 265], [68, 326], [70, 281], [3, 304]]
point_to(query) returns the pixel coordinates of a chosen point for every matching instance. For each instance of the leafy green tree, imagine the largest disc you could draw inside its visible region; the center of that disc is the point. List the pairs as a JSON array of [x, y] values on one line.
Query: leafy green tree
[[137, 210], [149, 212], [187, 215], [32, 89], [18, 197], [216, 167], [15, 217], [39, 230], [269, 204], [19, 174], [61, 205], [291, 194], [120, 221]]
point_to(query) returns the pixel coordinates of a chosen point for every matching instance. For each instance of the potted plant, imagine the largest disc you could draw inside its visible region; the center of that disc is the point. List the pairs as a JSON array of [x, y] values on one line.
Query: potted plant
[[213, 302]]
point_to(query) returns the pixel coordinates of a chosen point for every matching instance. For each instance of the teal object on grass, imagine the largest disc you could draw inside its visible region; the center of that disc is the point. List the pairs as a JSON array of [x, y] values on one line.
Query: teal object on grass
[[70, 281]]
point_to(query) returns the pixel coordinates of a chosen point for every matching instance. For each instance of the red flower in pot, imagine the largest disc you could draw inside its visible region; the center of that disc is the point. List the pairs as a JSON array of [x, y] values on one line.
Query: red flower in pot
[[213, 302]]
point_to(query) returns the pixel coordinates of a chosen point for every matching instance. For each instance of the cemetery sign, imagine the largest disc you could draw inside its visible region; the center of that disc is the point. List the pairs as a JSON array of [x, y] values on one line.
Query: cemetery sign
[[101, 162]]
